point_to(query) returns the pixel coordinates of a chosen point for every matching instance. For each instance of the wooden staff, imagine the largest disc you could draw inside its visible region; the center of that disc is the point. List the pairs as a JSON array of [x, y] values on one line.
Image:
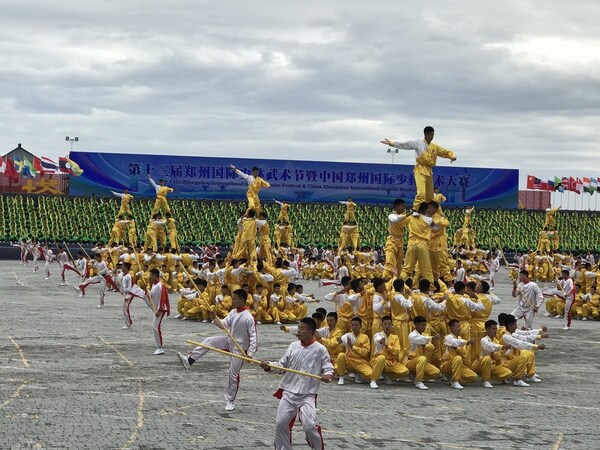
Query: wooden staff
[[86, 253], [254, 361], [216, 318]]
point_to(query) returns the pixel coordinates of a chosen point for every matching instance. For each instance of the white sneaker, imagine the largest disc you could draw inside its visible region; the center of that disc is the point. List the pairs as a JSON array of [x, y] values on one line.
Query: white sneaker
[[158, 351], [584, 318], [341, 381], [566, 327], [205, 321], [184, 318], [533, 379], [178, 316], [98, 306], [520, 383], [456, 385], [277, 323], [547, 315], [80, 296], [558, 316], [230, 406], [358, 379], [126, 327], [258, 322], [487, 384], [47, 278], [63, 284], [184, 360], [420, 385], [352, 375], [374, 385]]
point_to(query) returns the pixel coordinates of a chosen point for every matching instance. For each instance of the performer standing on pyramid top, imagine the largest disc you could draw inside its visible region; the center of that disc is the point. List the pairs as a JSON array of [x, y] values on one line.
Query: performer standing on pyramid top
[[126, 198], [161, 195], [426, 153], [255, 184]]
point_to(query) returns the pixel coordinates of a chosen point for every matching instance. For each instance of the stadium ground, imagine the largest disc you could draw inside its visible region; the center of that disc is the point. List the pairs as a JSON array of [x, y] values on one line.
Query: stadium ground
[[72, 378]]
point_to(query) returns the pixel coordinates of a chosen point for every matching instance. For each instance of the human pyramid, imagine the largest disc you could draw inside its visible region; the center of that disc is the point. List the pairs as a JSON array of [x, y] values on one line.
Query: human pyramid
[[421, 315]]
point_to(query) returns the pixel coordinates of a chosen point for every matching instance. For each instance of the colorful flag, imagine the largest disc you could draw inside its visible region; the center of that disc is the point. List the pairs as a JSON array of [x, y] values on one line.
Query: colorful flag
[[533, 182], [586, 185], [30, 168], [558, 184], [543, 185], [572, 186], [7, 168], [49, 166], [579, 186], [550, 185], [593, 185], [19, 165], [69, 166]]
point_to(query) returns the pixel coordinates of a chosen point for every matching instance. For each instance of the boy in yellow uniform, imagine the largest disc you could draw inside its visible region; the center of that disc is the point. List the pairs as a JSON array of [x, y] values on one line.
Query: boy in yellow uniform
[[426, 154], [255, 184], [247, 240], [126, 198], [223, 302], [455, 360], [330, 341], [394, 244], [356, 356], [161, 195], [172, 231], [387, 356], [419, 356], [489, 364], [417, 250]]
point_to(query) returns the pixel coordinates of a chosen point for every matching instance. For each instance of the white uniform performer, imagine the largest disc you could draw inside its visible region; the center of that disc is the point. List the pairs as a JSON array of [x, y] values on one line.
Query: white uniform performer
[[298, 393], [49, 256], [66, 264], [160, 297], [37, 253], [102, 278], [242, 327], [128, 296], [529, 303]]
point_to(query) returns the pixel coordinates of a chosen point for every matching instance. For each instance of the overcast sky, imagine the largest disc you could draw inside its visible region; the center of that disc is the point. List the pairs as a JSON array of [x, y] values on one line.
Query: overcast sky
[[505, 84]]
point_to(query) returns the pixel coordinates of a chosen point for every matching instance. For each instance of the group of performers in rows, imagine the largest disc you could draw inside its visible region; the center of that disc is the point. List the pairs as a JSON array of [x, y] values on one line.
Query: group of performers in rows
[[421, 315]]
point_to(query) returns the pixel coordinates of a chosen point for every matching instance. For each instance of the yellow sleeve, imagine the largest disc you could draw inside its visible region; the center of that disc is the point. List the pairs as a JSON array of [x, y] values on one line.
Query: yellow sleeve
[[265, 184], [393, 345], [444, 153]]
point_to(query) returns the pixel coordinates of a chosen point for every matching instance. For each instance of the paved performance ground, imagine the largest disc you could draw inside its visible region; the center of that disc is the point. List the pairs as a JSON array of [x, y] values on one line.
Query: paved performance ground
[[72, 378]]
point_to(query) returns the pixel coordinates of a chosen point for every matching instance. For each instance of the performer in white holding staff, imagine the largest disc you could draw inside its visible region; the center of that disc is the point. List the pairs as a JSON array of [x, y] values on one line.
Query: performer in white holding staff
[[242, 328], [297, 393]]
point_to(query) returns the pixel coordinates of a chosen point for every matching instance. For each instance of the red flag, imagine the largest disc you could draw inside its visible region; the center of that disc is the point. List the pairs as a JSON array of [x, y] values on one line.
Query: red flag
[[533, 182], [572, 184], [8, 168], [37, 165]]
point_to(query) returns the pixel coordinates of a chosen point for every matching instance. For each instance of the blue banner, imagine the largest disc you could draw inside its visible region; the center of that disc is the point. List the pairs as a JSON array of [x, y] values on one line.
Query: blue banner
[[294, 181]]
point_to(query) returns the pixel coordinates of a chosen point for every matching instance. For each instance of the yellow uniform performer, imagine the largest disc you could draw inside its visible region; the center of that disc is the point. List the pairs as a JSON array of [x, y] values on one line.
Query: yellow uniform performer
[[283, 212], [161, 198], [332, 345], [490, 364], [125, 201], [247, 244], [151, 236], [426, 158], [438, 248], [255, 184], [388, 357], [132, 233], [349, 215], [549, 221], [114, 233], [459, 307], [456, 360], [419, 357], [356, 354], [478, 320], [394, 245], [544, 242], [401, 308], [264, 241], [419, 235], [172, 233]]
